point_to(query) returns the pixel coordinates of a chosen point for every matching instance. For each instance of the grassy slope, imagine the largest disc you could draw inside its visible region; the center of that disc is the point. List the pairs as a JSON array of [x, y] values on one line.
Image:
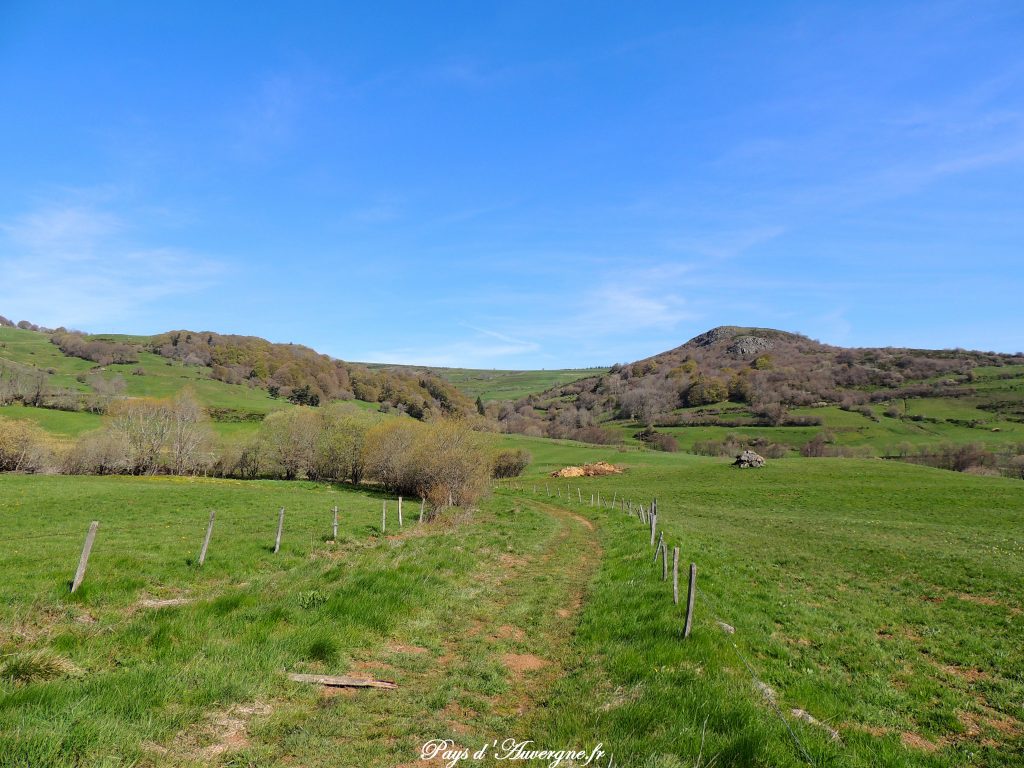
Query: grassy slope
[[503, 385], [879, 597], [874, 595]]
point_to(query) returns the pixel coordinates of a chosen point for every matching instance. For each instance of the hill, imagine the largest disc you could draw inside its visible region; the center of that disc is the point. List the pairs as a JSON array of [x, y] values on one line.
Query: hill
[[237, 378], [735, 378], [492, 385]]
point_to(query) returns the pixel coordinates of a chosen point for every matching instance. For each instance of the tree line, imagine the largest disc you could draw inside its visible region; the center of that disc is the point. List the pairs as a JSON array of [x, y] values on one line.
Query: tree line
[[443, 461]]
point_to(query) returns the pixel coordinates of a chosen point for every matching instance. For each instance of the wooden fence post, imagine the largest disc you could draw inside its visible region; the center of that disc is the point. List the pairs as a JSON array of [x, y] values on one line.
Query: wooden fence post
[[384, 516], [83, 561], [664, 561], [614, 496], [335, 528], [654, 525], [690, 592], [657, 550], [675, 575], [399, 511], [206, 540], [421, 509], [280, 528], [579, 493]]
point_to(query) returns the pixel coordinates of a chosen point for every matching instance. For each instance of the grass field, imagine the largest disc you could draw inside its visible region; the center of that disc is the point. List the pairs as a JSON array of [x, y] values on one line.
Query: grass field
[[502, 385], [882, 598]]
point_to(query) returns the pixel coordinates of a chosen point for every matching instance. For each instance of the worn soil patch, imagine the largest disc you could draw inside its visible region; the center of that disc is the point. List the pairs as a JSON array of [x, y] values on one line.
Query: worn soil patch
[[508, 632], [523, 662], [914, 741], [222, 732]]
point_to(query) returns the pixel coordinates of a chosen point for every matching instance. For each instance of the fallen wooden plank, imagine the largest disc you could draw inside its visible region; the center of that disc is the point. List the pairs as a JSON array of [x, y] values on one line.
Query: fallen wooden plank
[[341, 681]]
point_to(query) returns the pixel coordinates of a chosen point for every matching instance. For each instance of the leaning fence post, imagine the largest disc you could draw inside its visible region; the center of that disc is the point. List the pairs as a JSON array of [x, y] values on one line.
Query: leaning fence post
[[335, 522], [83, 561], [280, 527], [206, 540], [399, 511], [689, 600], [654, 525], [675, 575]]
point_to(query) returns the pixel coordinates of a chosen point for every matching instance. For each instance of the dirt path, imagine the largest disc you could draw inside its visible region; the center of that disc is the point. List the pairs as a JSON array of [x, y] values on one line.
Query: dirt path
[[484, 652], [518, 639]]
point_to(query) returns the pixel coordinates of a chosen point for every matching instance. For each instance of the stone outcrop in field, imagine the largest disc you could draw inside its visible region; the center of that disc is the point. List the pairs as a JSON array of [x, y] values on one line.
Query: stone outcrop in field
[[749, 459]]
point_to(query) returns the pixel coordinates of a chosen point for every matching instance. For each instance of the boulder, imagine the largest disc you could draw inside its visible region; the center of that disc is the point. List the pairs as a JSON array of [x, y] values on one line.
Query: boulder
[[749, 459]]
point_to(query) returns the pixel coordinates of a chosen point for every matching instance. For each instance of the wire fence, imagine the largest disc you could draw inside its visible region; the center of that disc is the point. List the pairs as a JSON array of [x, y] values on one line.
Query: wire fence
[[648, 516]]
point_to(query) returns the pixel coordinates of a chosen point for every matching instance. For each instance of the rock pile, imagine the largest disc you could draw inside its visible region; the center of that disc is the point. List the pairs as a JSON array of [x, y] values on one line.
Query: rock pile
[[596, 469], [749, 459]]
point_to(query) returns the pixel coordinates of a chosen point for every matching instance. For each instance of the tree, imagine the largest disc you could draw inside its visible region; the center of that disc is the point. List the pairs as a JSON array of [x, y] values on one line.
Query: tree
[[189, 437], [290, 436], [142, 426]]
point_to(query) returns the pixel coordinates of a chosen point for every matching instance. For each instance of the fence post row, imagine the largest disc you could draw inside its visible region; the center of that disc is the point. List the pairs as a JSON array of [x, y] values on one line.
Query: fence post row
[[280, 528], [675, 575], [690, 592], [83, 561], [206, 539]]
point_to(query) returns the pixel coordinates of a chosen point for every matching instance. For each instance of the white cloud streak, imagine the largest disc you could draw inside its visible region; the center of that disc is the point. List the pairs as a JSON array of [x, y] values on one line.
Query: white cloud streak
[[77, 265]]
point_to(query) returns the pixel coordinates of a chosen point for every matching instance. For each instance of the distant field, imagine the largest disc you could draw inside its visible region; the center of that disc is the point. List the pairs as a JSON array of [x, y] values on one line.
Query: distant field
[[502, 385], [881, 598]]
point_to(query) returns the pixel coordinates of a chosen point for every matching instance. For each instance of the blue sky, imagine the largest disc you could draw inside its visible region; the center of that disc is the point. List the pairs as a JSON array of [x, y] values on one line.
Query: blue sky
[[515, 184]]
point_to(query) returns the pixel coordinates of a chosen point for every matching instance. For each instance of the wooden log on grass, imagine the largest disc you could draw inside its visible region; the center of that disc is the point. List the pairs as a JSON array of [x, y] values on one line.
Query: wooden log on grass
[[280, 528], [341, 681], [690, 593], [206, 539], [83, 561]]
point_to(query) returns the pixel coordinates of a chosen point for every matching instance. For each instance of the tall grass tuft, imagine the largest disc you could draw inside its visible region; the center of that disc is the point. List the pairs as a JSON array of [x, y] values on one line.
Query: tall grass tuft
[[36, 667]]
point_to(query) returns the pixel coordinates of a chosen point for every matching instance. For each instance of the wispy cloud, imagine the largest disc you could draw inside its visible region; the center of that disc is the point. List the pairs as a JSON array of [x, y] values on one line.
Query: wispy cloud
[[483, 349], [78, 265]]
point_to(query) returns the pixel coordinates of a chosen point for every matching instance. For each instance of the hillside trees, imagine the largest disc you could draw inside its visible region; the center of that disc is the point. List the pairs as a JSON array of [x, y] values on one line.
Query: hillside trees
[[102, 352]]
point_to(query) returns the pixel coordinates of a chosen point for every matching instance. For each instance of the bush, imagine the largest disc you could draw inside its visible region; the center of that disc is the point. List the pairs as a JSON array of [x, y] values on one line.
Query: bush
[[439, 461], [24, 447], [510, 463]]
